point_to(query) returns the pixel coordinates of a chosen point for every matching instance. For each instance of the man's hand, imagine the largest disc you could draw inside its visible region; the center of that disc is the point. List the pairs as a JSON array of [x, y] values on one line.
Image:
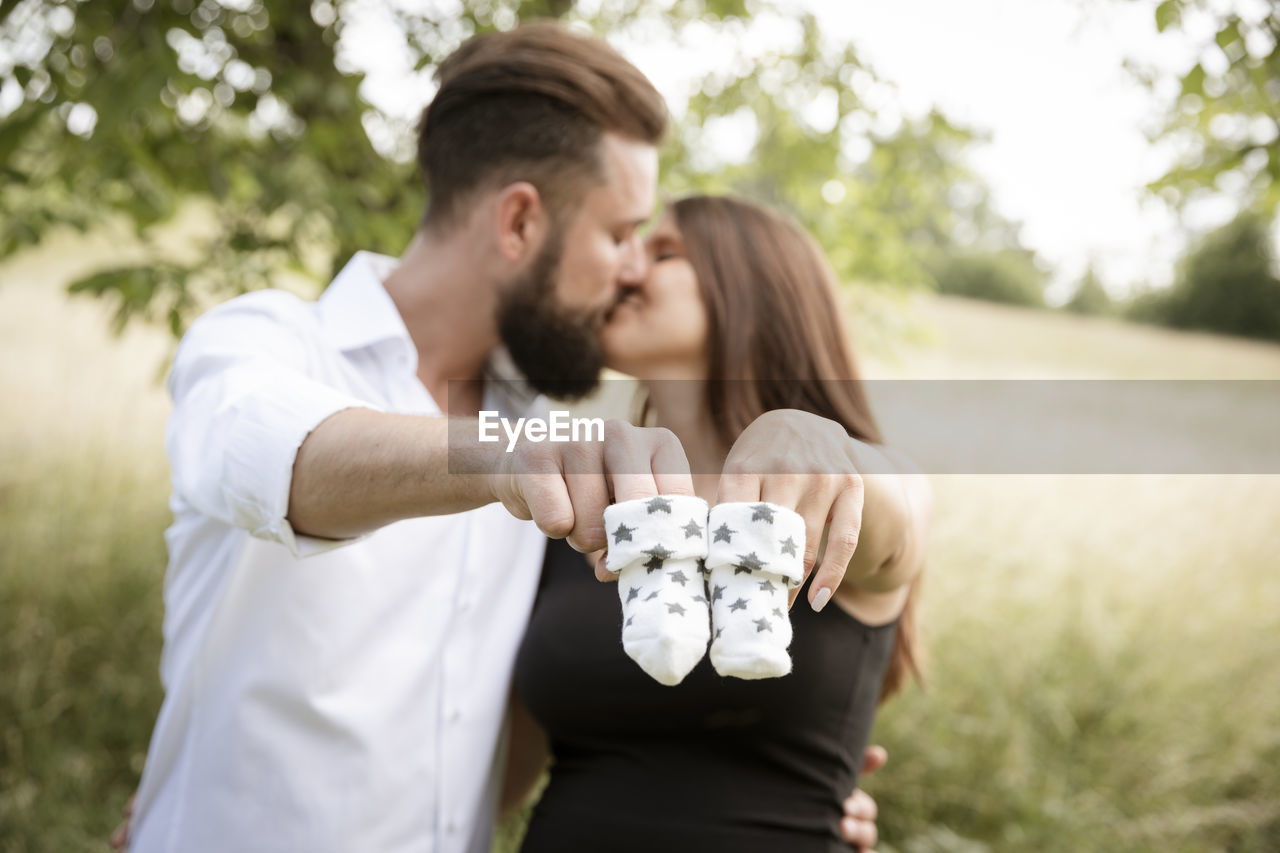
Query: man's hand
[[564, 487], [858, 826]]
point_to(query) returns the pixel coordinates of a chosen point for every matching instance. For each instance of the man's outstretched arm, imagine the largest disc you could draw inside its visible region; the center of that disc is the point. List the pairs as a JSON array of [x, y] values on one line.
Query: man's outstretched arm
[[360, 469], [259, 441]]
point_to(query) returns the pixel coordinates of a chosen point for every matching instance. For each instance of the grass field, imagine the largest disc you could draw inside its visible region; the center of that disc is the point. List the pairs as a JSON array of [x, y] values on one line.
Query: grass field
[[1105, 650]]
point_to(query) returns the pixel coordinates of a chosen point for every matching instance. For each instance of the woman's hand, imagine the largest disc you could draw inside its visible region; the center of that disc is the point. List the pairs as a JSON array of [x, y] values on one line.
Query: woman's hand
[[810, 464], [119, 840]]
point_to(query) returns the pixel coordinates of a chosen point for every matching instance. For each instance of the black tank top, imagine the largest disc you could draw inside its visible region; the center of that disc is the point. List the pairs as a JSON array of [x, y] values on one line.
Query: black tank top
[[711, 764]]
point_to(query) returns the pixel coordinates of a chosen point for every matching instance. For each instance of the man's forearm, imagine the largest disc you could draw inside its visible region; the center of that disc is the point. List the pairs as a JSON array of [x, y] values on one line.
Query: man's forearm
[[361, 469]]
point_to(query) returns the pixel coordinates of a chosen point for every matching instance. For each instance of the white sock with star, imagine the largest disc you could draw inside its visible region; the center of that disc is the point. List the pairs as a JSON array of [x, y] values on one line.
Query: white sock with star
[[656, 546], [755, 553]]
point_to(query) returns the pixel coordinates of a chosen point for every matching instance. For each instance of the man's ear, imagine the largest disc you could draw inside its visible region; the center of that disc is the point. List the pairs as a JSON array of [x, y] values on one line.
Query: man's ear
[[521, 220]]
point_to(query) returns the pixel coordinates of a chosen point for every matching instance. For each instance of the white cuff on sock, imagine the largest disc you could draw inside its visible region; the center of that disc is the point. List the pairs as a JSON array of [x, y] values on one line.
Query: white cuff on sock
[[756, 551], [656, 546]]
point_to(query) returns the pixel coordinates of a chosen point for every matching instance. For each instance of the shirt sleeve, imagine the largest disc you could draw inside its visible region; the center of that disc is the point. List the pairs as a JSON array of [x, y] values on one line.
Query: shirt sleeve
[[247, 390]]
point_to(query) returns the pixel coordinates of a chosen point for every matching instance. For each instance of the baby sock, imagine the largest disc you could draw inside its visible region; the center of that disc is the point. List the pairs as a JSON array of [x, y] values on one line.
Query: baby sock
[[756, 552], [656, 546]]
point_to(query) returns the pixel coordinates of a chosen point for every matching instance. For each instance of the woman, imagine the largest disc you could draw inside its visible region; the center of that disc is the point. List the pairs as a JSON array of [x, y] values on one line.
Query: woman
[[738, 293]]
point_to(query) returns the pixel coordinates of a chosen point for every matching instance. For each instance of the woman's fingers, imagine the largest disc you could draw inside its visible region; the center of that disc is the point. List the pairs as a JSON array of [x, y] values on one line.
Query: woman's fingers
[[842, 541], [120, 838]]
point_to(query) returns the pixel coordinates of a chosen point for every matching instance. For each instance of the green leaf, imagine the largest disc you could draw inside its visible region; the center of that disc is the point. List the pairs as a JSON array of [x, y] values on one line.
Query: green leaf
[[1193, 82], [1168, 13], [1228, 34]]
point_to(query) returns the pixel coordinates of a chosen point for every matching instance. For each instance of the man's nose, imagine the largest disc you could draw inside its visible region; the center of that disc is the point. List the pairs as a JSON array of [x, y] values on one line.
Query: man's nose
[[635, 263]]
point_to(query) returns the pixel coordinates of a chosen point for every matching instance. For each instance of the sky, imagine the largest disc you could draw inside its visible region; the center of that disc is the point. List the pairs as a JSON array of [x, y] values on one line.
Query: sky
[[1067, 154]]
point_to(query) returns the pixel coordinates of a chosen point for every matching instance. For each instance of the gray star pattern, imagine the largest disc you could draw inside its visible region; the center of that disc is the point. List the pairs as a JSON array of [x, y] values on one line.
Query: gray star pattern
[[762, 624], [766, 586], [635, 593], [788, 546], [722, 533], [717, 592], [656, 555], [651, 596], [679, 577], [658, 503], [692, 530], [777, 611], [623, 534], [750, 562], [675, 608], [740, 604], [759, 511]]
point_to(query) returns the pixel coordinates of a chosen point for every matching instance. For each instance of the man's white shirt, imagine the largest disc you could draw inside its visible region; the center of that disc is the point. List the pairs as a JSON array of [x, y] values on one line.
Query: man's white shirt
[[319, 695]]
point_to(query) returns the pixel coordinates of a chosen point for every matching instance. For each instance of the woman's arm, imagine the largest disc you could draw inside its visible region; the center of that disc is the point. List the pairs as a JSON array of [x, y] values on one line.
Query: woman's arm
[[896, 514], [527, 756]]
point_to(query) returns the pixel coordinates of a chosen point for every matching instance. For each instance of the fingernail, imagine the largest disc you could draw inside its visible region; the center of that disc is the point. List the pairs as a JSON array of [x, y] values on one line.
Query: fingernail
[[820, 600]]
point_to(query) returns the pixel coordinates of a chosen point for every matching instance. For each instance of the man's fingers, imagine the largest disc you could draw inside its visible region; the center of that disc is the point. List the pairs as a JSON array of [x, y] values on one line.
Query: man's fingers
[[842, 541], [628, 462], [589, 494], [860, 833], [860, 806], [670, 465], [603, 574], [873, 759], [858, 826], [596, 560], [547, 497]]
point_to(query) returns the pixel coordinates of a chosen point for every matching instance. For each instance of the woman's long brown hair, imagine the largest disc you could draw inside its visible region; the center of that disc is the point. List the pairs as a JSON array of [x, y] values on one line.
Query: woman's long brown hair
[[776, 339]]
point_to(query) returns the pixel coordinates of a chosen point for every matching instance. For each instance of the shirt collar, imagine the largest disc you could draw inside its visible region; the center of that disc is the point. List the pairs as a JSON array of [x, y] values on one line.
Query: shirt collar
[[357, 310]]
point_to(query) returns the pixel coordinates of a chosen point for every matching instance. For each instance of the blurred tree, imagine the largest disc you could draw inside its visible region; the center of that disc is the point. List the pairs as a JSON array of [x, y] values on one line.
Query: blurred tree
[[1090, 296], [135, 107], [1224, 118], [1226, 284], [1008, 276]]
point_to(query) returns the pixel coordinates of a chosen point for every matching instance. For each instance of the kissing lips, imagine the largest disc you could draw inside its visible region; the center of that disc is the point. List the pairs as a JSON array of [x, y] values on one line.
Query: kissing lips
[[629, 298]]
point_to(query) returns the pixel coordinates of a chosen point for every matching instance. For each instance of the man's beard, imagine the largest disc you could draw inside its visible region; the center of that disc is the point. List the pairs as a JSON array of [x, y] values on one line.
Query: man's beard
[[556, 348]]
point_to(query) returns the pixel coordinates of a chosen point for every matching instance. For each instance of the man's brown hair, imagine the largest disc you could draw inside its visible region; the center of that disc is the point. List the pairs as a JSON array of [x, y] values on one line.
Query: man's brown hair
[[529, 104]]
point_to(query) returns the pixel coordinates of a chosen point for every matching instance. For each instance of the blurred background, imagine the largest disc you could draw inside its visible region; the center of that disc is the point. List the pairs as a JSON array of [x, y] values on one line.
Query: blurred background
[[1058, 189]]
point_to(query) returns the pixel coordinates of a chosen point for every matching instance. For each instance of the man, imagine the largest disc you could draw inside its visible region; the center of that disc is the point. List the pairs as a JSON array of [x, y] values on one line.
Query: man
[[349, 578]]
